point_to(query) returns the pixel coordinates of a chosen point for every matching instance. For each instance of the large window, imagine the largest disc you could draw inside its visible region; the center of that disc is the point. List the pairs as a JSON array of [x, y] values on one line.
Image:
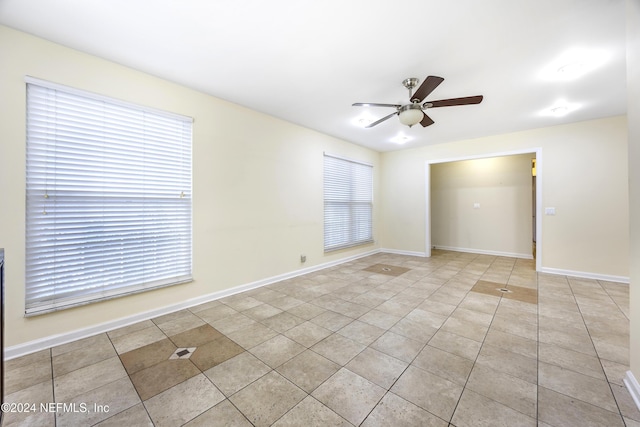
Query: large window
[[348, 203], [108, 198]]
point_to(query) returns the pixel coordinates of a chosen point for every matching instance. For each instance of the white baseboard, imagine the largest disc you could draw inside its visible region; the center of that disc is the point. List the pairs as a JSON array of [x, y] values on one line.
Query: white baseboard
[[400, 252], [485, 252], [54, 340], [633, 387], [585, 275]]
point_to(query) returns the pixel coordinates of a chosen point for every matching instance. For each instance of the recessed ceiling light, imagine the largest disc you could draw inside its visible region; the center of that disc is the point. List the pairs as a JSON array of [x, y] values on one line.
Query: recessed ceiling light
[[401, 139], [560, 108], [363, 121], [572, 70], [574, 63]]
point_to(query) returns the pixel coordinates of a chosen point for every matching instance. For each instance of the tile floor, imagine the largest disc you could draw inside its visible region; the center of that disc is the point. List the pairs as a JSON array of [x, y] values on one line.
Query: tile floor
[[453, 340]]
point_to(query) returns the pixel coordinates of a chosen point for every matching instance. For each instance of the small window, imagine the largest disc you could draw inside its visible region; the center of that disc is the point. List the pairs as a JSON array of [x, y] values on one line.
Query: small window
[[108, 198], [348, 203]]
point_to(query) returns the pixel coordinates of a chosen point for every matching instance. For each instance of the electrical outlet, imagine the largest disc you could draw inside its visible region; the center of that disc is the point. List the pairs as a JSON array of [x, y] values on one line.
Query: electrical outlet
[[303, 258]]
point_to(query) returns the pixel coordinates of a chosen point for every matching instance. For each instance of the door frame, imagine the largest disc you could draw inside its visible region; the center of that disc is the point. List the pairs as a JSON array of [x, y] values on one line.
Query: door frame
[[539, 173]]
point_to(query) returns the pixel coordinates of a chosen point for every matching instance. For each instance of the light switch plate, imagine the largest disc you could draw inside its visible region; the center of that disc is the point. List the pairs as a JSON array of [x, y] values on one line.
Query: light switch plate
[[549, 211]]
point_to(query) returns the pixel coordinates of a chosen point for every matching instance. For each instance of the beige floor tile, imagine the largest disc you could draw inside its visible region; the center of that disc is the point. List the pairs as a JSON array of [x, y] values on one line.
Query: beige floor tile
[[69, 361], [443, 364], [99, 404], [305, 311], [137, 339], [475, 410], [23, 376], [237, 372], [503, 388], [252, 335], [217, 312], [277, 350], [346, 335], [96, 341], [262, 311], [285, 302], [588, 389], [631, 423], [395, 308], [440, 398], [307, 333], [437, 307], [83, 380], [241, 302], [311, 413], [134, 416], [513, 343], [183, 323], [398, 346], [395, 411], [224, 414], [35, 394], [380, 319], [282, 322], [42, 356], [377, 367], [511, 363], [572, 360], [625, 402], [557, 409], [465, 329], [195, 337], [331, 320], [215, 352], [144, 357], [615, 372], [361, 332], [456, 344], [183, 402], [615, 353], [515, 326], [349, 395], [232, 323], [308, 370], [134, 327], [157, 378], [338, 348], [413, 330], [266, 400]]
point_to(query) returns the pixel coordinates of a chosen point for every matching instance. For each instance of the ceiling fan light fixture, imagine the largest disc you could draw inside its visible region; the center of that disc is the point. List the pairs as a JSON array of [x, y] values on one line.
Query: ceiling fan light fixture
[[411, 114]]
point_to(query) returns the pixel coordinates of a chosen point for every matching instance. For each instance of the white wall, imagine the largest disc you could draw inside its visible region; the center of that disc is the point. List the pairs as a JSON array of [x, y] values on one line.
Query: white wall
[[633, 112], [583, 169], [257, 185], [502, 223]]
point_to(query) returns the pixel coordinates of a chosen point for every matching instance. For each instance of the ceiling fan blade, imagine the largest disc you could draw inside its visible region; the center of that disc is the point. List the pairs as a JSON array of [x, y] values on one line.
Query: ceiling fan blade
[[454, 101], [426, 121], [428, 86], [377, 122], [373, 104]]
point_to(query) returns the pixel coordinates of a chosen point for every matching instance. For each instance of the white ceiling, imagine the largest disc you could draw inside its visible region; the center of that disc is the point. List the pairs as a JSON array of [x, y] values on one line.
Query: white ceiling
[[307, 61]]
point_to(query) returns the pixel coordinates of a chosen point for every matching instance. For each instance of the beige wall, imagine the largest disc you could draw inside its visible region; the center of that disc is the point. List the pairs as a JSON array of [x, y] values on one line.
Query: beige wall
[[257, 184], [582, 173], [633, 111], [501, 186]]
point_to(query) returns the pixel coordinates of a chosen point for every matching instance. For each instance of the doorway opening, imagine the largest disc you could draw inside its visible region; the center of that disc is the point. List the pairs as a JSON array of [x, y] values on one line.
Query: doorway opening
[[529, 251]]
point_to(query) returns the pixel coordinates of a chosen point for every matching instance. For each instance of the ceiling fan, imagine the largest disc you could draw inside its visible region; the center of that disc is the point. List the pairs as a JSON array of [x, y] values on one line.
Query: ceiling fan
[[413, 112]]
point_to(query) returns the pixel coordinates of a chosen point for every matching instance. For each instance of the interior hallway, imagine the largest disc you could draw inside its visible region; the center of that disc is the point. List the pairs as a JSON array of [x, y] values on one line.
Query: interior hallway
[[456, 339]]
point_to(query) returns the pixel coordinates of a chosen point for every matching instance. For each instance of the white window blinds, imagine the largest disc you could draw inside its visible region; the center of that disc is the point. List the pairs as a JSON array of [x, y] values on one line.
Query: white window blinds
[[348, 203], [108, 198]]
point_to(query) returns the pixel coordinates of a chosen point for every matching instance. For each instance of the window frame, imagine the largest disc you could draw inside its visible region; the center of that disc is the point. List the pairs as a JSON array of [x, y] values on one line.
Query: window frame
[[76, 137], [350, 208]]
